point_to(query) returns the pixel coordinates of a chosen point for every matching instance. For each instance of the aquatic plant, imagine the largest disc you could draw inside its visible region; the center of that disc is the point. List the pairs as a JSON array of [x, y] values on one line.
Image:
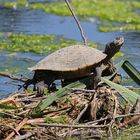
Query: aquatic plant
[[16, 3], [105, 10], [35, 43], [108, 10]]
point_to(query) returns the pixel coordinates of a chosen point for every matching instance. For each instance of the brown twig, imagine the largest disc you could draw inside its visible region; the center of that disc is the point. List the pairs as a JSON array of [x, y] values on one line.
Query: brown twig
[[81, 113], [127, 115], [7, 100], [69, 126], [16, 132], [25, 136], [133, 119], [11, 76], [78, 23], [96, 121], [114, 115], [93, 104], [37, 120], [21, 124], [82, 90]]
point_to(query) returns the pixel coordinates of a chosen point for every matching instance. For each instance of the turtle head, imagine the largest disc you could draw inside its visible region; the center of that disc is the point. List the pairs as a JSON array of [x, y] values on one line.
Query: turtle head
[[113, 47]]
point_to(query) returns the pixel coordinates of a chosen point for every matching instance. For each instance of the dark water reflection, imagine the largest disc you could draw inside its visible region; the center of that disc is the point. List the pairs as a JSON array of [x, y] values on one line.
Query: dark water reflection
[[38, 22]]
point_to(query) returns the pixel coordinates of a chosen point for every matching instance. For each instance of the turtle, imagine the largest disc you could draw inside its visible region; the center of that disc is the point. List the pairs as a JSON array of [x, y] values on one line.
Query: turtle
[[73, 62]]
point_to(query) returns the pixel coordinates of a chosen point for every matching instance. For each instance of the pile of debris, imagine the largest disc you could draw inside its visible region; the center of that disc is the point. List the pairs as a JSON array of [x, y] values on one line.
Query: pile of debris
[[79, 114]]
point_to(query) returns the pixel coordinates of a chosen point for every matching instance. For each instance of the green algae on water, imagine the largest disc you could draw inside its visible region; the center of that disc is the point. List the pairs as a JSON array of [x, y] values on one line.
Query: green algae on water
[[35, 43], [105, 10], [16, 3], [38, 44]]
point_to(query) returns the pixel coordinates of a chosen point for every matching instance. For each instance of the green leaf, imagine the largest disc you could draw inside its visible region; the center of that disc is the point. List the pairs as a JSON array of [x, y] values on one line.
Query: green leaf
[[131, 96], [7, 107], [60, 119], [131, 71]]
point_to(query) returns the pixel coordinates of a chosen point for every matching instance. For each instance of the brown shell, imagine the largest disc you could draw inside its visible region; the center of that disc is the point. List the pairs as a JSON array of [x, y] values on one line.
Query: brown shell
[[71, 58]]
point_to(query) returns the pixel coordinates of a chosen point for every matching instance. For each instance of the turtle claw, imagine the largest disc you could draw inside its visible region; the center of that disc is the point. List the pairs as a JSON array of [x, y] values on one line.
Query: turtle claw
[[40, 88]]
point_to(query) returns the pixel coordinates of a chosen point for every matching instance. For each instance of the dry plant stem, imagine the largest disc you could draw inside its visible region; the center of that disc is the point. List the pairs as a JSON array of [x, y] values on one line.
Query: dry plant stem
[[13, 129], [113, 119], [37, 120], [81, 113], [94, 107], [127, 115], [94, 122], [7, 100], [83, 90], [21, 124], [23, 137], [69, 126], [133, 119], [11, 115], [29, 98], [116, 105], [78, 23]]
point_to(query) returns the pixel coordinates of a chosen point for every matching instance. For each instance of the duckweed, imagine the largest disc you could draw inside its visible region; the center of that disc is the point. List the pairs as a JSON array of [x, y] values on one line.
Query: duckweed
[[112, 10], [35, 43], [127, 27], [16, 3]]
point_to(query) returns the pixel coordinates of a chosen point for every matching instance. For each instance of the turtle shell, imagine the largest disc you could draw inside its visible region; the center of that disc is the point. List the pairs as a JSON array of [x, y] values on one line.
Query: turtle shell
[[71, 58]]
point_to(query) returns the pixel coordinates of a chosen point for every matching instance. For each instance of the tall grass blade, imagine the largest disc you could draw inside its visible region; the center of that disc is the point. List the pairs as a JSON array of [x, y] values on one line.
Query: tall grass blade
[[131, 96], [131, 71]]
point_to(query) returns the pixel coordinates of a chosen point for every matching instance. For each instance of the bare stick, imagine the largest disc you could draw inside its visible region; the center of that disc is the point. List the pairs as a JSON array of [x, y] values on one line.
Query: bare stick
[[25, 136], [9, 75], [78, 23], [127, 115], [133, 119], [81, 113], [81, 90], [96, 121], [21, 124], [69, 126]]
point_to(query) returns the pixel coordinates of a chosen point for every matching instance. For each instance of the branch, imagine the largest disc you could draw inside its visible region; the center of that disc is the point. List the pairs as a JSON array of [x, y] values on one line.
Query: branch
[[81, 114], [11, 76], [78, 23], [127, 115], [69, 126], [133, 119], [25, 136], [21, 124]]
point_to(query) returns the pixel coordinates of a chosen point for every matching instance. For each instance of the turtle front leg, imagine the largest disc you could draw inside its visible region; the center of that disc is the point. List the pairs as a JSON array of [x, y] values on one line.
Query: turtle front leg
[[43, 80], [40, 88], [96, 79]]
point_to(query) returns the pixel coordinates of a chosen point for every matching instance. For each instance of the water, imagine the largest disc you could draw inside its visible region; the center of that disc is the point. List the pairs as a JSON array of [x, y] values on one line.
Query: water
[[38, 22]]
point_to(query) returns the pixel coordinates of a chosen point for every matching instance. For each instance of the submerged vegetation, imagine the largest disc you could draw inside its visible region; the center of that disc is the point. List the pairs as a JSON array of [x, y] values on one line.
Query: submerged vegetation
[[109, 11], [35, 43]]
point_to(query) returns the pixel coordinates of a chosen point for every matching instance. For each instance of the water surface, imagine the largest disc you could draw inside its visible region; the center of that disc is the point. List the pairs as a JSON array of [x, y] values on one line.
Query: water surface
[[37, 22]]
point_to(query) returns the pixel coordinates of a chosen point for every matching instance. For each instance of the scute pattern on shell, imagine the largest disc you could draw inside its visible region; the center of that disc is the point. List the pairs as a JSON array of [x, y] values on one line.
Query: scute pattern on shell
[[70, 58]]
